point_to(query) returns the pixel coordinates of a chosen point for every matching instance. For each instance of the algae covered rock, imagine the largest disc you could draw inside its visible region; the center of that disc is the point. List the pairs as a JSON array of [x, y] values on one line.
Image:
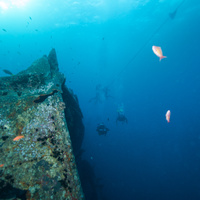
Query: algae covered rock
[[40, 163]]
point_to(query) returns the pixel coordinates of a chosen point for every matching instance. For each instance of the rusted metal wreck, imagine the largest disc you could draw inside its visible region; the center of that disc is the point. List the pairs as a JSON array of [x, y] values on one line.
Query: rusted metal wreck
[[40, 164]]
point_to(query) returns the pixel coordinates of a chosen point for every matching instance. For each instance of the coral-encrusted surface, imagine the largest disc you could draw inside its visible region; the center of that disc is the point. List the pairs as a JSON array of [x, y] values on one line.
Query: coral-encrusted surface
[[41, 165]]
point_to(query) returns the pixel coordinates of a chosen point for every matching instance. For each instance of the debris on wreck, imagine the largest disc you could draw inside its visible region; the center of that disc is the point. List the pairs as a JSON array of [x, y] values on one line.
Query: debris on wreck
[[40, 163]]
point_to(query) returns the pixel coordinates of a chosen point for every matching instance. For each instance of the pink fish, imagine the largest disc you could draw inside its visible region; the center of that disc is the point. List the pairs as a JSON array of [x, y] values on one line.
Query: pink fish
[[167, 115], [158, 52]]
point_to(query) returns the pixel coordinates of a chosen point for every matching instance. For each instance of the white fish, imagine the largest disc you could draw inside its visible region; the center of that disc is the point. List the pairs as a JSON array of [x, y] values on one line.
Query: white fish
[[158, 52], [167, 115]]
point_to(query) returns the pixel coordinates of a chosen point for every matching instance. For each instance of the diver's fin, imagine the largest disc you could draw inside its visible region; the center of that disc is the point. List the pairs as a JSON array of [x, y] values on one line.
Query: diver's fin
[[172, 15]]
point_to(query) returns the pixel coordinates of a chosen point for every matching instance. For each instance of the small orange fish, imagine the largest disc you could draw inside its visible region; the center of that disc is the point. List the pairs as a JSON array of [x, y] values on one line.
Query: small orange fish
[[18, 137], [158, 52], [1, 165], [167, 115]]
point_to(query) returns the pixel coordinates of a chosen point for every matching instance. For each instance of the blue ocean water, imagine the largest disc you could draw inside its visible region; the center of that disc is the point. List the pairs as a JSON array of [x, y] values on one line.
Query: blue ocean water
[[109, 43]]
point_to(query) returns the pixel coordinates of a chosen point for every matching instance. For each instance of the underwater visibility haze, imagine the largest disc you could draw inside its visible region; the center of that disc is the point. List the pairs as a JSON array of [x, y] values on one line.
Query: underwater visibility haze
[[105, 50]]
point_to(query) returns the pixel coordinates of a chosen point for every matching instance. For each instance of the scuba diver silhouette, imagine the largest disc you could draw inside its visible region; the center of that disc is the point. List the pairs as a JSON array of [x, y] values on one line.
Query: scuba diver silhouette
[[102, 94], [102, 129], [121, 116]]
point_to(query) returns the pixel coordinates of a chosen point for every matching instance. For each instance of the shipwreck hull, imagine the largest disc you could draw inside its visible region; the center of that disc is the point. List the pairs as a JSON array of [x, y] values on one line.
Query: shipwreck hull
[[40, 165]]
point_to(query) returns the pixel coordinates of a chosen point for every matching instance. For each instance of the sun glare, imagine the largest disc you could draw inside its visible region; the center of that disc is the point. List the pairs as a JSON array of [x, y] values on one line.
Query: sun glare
[[5, 5], [19, 3]]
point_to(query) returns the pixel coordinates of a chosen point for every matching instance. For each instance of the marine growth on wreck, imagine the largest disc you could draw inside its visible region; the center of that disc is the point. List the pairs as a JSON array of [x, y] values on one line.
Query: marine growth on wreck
[[36, 154]]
